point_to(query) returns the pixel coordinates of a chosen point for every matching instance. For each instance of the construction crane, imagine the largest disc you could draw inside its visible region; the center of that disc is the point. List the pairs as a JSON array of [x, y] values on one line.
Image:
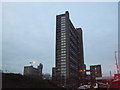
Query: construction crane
[[116, 63]]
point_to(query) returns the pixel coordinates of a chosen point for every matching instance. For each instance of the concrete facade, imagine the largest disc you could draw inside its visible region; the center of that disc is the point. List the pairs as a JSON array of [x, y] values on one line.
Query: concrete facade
[[33, 72], [69, 52]]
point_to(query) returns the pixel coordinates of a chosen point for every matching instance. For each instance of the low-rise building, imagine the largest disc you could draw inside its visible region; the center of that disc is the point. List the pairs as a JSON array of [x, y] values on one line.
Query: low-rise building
[[32, 71], [96, 70]]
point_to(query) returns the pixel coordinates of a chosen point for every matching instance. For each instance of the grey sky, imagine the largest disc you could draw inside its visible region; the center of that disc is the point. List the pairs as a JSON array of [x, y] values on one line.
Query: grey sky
[[29, 33]]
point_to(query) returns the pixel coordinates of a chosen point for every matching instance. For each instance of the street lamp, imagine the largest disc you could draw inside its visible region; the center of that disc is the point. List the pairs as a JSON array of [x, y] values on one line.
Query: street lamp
[[33, 62]]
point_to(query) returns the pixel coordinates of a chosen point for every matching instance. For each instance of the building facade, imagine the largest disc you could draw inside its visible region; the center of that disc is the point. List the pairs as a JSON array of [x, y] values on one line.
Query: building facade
[[33, 72], [54, 74], [69, 52]]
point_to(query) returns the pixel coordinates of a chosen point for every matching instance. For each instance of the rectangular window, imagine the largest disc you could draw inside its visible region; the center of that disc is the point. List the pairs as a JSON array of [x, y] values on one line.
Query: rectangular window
[[63, 51], [63, 54], [62, 33], [62, 29], [62, 36], [63, 43], [63, 62], [62, 39], [63, 66], [63, 59], [62, 24], [63, 69], [63, 46], [63, 72], [63, 17]]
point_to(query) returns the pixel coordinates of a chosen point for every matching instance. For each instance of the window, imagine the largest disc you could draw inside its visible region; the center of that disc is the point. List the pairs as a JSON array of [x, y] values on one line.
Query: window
[[63, 66], [63, 51], [63, 69], [63, 36], [62, 24], [63, 20], [63, 54], [63, 74], [62, 29], [63, 41], [63, 62], [63, 59], [63, 44], [62, 33], [63, 17]]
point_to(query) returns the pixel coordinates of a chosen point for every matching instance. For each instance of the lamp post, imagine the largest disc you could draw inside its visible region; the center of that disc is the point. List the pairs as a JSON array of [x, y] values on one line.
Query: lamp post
[[31, 63]]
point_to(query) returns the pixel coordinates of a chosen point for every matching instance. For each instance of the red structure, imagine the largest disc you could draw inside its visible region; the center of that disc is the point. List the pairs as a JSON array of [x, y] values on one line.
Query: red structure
[[115, 84], [117, 76]]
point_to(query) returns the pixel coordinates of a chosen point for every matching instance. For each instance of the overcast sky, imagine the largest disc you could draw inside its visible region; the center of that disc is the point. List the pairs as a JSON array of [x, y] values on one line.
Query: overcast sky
[[29, 33]]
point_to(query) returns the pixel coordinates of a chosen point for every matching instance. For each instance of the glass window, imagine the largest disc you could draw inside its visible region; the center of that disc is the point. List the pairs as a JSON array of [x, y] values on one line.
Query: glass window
[[62, 20], [63, 59], [63, 54], [63, 43], [63, 36], [63, 46], [63, 51], [62, 17], [63, 69], [63, 66], [63, 62], [63, 72], [62, 26]]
